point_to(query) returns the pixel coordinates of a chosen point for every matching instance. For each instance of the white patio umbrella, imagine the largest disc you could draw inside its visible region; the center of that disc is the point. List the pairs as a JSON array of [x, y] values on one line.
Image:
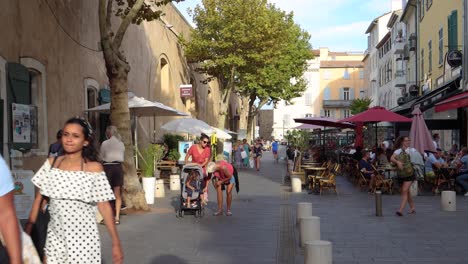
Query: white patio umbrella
[[139, 107], [222, 134], [191, 126]]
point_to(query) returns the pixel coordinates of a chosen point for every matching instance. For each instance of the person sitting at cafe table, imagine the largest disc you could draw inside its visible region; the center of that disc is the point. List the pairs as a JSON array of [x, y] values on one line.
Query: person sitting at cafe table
[[366, 168], [381, 157], [434, 160], [463, 164]]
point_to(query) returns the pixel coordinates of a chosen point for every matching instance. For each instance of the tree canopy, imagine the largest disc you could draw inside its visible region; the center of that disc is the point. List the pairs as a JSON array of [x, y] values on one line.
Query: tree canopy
[[360, 105], [251, 47]]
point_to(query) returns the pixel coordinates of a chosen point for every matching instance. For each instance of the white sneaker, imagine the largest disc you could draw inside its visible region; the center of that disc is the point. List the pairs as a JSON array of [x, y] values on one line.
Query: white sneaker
[[466, 194]]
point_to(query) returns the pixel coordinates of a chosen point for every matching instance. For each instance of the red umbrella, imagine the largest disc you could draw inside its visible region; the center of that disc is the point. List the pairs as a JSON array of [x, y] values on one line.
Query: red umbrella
[[324, 121], [376, 114], [421, 138]]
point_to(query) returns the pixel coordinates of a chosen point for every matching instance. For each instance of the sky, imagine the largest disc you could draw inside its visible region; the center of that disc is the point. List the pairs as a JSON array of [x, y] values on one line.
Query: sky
[[339, 25]]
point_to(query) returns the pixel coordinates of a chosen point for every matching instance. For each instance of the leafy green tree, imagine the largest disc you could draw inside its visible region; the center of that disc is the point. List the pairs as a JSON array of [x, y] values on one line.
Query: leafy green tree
[[275, 72], [128, 12], [360, 105], [242, 44]]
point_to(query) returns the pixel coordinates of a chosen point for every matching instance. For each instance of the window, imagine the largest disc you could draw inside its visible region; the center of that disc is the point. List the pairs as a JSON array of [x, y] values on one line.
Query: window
[[346, 113], [441, 45], [286, 120], [362, 94], [346, 94], [326, 112], [452, 31], [326, 75], [326, 93], [346, 74], [422, 63], [308, 99], [361, 74], [429, 55]]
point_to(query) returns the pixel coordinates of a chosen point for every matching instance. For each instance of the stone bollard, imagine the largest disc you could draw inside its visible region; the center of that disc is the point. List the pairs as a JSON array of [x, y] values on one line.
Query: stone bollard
[[318, 252], [303, 210], [448, 201], [159, 190], [174, 184], [378, 203], [309, 229], [296, 183]]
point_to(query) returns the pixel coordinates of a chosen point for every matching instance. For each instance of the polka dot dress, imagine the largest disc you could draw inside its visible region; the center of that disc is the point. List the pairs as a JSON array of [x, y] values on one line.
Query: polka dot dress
[[72, 235]]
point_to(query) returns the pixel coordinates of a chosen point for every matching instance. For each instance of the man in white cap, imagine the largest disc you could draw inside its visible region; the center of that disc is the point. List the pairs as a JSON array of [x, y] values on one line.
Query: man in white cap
[[223, 174]]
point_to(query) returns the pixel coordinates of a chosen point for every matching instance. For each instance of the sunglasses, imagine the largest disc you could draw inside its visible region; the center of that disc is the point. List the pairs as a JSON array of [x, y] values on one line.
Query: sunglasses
[[206, 142]]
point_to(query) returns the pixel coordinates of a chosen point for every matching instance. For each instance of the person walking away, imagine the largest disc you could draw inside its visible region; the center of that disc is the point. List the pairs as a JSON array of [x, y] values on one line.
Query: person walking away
[[112, 156], [9, 227], [405, 172], [463, 165], [257, 152], [200, 154], [247, 151], [274, 149], [56, 149], [75, 185], [223, 175]]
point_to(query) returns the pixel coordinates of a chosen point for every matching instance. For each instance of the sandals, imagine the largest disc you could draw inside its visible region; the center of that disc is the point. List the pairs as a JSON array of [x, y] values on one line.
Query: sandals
[[117, 222], [412, 211], [398, 213], [218, 213], [228, 213]]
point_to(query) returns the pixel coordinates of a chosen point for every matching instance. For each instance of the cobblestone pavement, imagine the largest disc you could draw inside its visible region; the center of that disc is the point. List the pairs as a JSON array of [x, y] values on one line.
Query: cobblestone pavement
[[263, 229]]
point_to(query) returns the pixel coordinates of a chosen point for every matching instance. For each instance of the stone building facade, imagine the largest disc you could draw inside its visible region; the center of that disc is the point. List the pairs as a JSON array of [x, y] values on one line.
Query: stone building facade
[[51, 61]]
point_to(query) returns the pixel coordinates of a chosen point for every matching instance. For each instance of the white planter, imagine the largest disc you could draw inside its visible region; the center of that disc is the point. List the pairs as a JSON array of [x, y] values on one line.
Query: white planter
[[159, 190], [174, 183], [148, 187], [296, 184]]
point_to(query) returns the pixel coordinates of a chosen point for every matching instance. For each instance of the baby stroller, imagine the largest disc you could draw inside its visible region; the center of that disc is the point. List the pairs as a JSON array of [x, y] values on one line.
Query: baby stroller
[[195, 205]]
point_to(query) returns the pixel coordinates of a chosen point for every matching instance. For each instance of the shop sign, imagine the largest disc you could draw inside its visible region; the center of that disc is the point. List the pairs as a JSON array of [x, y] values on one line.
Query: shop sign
[[186, 90], [454, 58]]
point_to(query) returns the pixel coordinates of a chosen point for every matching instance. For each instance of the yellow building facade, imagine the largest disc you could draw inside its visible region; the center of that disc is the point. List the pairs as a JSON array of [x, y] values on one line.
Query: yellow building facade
[[440, 31], [341, 81]]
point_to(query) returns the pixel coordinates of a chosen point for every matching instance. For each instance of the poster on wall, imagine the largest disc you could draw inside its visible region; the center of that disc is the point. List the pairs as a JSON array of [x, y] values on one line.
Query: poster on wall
[[183, 149], [21, 118], [227, 151], [24, 192]]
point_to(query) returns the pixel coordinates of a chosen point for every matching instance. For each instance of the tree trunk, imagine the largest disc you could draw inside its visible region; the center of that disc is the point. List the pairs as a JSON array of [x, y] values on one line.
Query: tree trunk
[[133, 194]]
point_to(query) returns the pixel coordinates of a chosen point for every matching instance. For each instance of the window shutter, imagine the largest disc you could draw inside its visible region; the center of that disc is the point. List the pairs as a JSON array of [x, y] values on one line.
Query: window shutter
[[342, 93], [18, 92], [351, 94], [326, 94], [452, 31]]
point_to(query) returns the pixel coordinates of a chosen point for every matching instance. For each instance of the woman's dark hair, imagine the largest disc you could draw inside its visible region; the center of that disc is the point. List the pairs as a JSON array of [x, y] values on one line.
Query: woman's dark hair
[[59, 134], [90, 152], [379, 151], [399, 142], [203, 136]]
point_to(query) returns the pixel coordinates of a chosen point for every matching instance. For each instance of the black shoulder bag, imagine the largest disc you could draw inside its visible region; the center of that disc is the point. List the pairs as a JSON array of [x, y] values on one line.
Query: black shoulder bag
[[39, 230], [4, 254]]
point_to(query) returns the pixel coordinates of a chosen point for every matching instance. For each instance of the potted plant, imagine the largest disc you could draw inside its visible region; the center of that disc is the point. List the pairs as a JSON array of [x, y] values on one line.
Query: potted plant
[[174, 155], [149, 157]]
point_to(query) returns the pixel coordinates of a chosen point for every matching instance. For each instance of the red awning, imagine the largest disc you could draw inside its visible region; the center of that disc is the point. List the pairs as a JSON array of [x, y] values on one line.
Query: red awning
[[454, 102]]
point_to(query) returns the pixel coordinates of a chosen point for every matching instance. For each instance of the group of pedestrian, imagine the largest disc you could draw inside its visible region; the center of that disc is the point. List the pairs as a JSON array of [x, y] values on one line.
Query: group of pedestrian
[[250, 155]]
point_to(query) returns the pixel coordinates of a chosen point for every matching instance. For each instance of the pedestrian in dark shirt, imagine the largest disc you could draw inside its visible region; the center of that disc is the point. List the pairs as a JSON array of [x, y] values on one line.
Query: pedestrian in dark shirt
[[366, 168], [55, 149]]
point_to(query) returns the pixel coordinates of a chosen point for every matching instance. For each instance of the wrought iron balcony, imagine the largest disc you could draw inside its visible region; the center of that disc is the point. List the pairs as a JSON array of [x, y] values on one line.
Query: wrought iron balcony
[[336, 103]]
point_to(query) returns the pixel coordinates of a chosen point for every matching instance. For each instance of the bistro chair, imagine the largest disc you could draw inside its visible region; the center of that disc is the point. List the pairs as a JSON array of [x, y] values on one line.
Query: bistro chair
[[330, 183]]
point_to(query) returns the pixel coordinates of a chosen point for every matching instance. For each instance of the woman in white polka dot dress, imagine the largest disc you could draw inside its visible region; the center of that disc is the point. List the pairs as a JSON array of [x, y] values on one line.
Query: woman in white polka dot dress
[[75, 183]]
